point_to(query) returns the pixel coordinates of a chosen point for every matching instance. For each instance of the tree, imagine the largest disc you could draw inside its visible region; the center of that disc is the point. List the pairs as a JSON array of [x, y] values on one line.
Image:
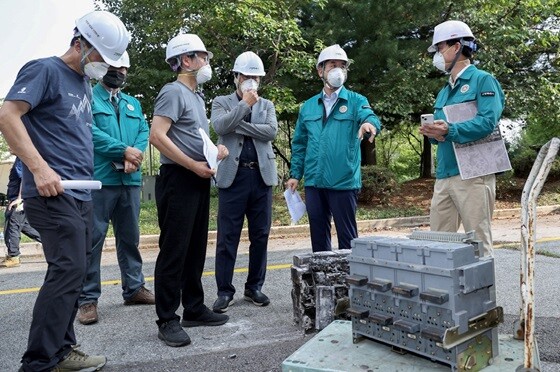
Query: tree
[[266, 27], [386, 39]]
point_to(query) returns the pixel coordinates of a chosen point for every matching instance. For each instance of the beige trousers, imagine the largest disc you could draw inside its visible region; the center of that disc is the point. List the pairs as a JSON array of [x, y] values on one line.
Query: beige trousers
[[470, 202]]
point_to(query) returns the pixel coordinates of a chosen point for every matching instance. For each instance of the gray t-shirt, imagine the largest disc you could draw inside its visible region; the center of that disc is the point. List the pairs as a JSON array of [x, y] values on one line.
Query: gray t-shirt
[[187, 112]]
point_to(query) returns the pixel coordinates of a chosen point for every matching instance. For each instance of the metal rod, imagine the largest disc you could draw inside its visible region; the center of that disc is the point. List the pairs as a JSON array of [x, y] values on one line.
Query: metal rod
[[531, 191]]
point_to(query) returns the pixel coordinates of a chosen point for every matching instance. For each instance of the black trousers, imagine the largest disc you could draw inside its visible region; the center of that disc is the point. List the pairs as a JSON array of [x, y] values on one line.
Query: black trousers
[[247, 196], [65, 225], [323, 205], [183, 207]]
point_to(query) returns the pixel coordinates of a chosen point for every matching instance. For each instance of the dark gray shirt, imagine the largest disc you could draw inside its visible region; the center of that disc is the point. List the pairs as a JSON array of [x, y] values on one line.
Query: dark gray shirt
[[59, 122], [187, 112]]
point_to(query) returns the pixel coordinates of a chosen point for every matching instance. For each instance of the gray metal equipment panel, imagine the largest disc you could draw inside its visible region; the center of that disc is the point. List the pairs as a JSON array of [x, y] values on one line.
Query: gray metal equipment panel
[[435, 298]]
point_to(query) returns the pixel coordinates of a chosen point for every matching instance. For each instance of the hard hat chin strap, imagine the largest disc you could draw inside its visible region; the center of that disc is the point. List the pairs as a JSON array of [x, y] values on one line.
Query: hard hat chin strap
[[457, 55]]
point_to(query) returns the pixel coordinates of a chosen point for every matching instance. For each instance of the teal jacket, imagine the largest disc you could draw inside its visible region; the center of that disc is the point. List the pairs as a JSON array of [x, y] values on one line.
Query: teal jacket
[[326, 150], [472, 85], [111, 137]]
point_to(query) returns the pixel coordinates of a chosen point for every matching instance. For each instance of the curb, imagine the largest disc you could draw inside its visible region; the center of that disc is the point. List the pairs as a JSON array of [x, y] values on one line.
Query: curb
[[279, 232]]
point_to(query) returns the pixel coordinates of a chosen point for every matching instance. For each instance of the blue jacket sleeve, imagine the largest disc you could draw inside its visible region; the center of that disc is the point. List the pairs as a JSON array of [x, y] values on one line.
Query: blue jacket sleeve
[[490, 104], [141, 141], [366, 114], [106, 145], [299, 146]]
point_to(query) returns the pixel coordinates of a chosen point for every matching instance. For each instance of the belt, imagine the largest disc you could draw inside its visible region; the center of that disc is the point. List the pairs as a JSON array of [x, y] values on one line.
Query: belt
[[250, 165]]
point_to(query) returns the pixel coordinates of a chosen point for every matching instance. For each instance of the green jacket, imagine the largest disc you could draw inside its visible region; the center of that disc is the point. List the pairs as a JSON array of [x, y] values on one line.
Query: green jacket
[[326, 150], [111, 137], [472, 85]]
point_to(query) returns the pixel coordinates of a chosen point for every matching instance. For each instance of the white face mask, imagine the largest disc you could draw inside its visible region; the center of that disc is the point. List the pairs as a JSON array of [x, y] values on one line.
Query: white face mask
[[439, 62], [93, 70], [249, 84], [203, 74], [336, 77], [96, 70]]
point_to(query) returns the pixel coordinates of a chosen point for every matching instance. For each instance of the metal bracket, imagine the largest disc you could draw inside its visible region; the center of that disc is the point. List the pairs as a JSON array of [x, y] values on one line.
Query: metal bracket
[[477, 326]]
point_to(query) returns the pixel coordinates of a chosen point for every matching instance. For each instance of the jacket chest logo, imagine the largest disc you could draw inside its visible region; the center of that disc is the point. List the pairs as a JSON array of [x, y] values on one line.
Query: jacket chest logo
[[343, 109], [130, 107], [465, 88]]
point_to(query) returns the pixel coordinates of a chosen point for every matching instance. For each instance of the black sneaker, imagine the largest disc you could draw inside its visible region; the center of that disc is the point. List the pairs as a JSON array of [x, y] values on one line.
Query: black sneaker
[[257, 297], [206, 318], [222, 304], [172, 334]]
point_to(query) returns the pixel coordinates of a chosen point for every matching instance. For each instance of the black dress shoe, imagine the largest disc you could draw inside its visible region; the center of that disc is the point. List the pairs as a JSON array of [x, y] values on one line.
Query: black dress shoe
[[221, 305], [257, 297]]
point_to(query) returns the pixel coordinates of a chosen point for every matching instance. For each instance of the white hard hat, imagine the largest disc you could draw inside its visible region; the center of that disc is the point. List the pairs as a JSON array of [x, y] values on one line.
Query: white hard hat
[[332, 52], [124, 61], [185, 43], [249, 64], [106, 33], [449, 30]]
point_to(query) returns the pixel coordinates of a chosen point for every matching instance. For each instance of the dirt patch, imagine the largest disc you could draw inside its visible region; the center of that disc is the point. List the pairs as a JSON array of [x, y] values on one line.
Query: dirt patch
[[419, 192]]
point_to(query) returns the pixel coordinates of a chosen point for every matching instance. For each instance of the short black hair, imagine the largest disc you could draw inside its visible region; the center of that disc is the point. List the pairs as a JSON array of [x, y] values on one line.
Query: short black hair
[[175, 62], [466, 51], [78, 36]]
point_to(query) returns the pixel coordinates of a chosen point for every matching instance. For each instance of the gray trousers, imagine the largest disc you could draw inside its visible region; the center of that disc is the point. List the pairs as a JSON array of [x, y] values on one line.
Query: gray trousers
[[119, 205], [15, 224]]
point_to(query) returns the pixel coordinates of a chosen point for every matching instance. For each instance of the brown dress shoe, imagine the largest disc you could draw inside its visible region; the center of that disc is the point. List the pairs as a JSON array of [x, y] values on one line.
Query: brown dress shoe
[[142, 297], [87, 314]]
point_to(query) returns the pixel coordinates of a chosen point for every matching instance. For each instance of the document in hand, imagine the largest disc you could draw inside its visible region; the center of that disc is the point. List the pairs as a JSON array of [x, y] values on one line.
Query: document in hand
[[478, 158], [210, 150], [296, 206]]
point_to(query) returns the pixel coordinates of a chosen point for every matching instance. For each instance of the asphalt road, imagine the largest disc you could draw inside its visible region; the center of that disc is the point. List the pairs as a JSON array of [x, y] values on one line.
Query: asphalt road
[[255, 339]]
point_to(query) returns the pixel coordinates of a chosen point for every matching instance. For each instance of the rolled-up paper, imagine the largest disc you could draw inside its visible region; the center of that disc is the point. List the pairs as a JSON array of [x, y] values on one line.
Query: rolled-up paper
[[81, 184]]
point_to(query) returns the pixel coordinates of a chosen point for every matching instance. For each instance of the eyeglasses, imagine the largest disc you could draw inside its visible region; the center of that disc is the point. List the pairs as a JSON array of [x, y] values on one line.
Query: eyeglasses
[[205, 58]]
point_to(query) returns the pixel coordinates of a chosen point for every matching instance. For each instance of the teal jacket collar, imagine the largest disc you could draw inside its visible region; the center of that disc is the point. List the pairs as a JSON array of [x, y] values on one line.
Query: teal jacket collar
[[343, 94], [103, 93], [466, 75]]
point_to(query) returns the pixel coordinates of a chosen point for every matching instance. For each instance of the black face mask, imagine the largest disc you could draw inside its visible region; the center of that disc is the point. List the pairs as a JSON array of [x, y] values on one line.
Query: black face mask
[[114, 79]]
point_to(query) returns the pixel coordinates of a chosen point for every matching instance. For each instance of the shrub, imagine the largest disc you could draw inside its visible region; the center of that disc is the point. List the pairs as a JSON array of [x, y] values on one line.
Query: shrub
[[523, 158], [507, 187], [378, 184]]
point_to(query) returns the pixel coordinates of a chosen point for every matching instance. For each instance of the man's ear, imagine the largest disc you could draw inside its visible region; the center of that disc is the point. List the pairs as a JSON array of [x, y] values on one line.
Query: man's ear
[[457, 47], [184, 61], [77, 45]]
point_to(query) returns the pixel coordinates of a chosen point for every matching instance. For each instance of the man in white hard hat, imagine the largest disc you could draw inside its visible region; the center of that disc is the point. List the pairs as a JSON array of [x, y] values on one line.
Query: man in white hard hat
[[120, 136], [179, 129], [326, 152], [246, 124], [470, 201], [46, 119]]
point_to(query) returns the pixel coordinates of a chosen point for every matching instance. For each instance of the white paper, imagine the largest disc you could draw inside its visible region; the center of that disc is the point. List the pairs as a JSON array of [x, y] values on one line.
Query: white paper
[[296, 206], [478, 158], [81, 184], [210, 150]]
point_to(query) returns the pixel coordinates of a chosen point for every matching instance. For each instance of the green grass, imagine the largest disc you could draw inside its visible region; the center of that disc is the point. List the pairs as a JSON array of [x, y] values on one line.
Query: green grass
[[280, 215]]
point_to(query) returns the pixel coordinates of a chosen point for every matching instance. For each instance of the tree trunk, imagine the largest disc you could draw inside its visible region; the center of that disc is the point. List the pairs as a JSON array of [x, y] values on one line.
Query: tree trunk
[[426, 159]]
